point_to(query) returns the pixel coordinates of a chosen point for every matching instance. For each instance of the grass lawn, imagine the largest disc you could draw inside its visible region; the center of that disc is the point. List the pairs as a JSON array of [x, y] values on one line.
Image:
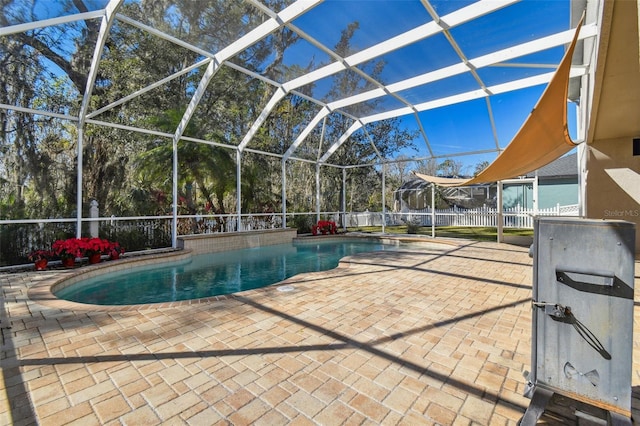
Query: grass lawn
[[470, 233]]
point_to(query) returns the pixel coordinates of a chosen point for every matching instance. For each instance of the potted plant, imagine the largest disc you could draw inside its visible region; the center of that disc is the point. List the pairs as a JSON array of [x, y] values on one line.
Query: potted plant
[[68, 250], [115, 250], [325, 227], [40, 258], [94, 248]]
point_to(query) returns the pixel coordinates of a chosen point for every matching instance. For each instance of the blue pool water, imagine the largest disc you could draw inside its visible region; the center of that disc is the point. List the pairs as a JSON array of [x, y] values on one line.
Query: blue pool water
[[214, 274]]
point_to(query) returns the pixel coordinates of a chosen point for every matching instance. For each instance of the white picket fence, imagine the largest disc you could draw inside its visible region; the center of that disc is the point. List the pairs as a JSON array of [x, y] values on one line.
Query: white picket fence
[[516, 217]]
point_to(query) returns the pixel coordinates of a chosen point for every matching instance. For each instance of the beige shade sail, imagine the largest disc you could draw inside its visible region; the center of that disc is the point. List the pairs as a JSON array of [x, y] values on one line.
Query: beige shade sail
[[442, 181], [543, 137]]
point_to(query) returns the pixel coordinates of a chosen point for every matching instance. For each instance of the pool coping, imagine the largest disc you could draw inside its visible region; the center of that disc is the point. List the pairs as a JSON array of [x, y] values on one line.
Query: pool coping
[[43, 292]]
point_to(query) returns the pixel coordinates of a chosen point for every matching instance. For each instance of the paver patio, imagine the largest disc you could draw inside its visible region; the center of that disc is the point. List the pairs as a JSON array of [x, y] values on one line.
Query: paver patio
[[431, 334]]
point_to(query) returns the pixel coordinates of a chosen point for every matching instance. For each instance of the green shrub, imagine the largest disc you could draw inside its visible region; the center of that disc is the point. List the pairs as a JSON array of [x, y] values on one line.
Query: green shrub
[[303, 223], [413, 225]]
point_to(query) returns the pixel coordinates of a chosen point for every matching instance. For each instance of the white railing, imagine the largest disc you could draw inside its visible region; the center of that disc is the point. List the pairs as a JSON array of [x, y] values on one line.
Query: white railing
[[208, 224], [155, 231], [516, 217]]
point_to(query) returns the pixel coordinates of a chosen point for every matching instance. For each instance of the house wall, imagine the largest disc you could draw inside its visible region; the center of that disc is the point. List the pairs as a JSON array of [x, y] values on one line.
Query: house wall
[[558, 191], [514, 195], [551, 192], [607, 198], [612, 176]]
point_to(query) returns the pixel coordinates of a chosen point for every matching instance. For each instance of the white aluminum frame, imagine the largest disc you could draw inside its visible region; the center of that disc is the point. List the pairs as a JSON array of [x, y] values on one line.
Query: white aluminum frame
[[215, 60]]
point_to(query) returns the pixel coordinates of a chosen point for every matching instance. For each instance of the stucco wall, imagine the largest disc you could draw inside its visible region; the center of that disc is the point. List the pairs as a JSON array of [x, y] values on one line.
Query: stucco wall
[[605, 198]]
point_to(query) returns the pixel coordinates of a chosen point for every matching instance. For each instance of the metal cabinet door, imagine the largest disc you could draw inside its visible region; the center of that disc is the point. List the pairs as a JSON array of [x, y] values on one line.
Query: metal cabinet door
[[583, 309]]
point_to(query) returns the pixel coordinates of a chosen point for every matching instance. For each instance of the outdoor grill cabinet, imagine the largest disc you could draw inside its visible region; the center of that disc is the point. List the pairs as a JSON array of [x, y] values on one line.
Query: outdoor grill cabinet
[[582, 318]]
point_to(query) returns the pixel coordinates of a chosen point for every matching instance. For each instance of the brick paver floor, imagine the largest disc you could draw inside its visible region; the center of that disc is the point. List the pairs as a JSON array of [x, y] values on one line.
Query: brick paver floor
[[433, 334]]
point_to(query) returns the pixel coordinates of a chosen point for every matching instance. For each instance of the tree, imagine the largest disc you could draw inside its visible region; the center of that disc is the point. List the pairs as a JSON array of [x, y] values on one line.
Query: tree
[[450, 168], [35, 151], [401, 167], [427, 167], [479, 168]]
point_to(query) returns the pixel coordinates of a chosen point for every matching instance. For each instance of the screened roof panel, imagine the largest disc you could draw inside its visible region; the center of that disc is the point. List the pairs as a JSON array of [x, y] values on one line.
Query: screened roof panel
[[364, 142], [287, 51], [324, 131], [128, 70], [209, 25], [144, 112], [379, 105], [443, 88], [492, 76], [21, 11], [339, 85], [284, 62], [444, 7], [228, 92], [421, 57], [286, 124], [276, 6], [516, 24], [52, 89], [376, 21], [421, 147], [73, 33], [511, 110], [453, 128], [547, 58]]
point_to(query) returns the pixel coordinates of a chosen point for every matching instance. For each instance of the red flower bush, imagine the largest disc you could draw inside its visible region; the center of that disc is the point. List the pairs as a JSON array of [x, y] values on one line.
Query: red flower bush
[[325, 227], [40, 255], [115, 249], [81, 247], [93, 246], [71, 247]]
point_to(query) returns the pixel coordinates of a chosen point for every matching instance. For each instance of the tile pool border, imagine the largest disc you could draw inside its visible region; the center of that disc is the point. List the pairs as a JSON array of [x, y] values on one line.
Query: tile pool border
[[43, 291]]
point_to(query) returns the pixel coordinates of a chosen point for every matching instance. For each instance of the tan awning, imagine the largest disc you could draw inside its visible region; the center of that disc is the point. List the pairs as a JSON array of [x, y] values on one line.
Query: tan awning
[[543, 137]]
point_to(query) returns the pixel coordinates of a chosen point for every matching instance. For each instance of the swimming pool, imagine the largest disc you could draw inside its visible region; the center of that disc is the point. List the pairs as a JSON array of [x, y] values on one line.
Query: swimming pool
[[215, 274]]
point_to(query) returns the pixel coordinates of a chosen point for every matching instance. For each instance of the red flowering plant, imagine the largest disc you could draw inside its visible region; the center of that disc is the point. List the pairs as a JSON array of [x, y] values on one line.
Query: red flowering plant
[[325, 227], [39, 255], [81, 247], [93, 246], [115, 249], [69, 248]]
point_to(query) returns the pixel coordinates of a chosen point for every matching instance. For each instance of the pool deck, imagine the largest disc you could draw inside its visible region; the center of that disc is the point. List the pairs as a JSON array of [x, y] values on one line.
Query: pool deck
[[433, 334]]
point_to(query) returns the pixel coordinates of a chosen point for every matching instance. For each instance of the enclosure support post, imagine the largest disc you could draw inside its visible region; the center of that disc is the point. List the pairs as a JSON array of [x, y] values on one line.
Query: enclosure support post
[[433, 210], [384, 207], [344, 199], [79, 183], [582, 179], [174, 210], [284, 193], [239, 188], [499, 217], [317, 192], [535, 195], [105, 25]]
